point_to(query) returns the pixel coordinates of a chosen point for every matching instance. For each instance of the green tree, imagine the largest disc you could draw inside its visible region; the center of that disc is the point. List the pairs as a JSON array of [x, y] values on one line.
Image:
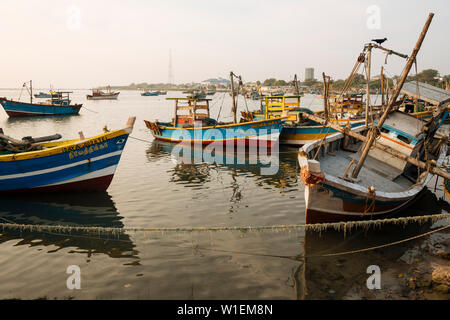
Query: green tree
[[269, 82]]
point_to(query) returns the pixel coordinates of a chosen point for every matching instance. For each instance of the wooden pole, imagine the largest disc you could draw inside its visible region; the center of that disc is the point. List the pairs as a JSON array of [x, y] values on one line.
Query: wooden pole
[[175, 113], [380, 146], [297, 91], [369, 54], [31, 91], [382, 88], [372, 133], [234, 109], [325, 98]]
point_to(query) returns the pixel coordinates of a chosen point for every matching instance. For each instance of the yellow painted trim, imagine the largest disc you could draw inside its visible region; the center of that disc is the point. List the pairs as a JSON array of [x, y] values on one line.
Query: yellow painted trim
[[61, 147], [222, 126]]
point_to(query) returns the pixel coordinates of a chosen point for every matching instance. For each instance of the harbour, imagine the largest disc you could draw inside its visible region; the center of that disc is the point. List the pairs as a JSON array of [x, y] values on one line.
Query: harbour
[[258, 184]]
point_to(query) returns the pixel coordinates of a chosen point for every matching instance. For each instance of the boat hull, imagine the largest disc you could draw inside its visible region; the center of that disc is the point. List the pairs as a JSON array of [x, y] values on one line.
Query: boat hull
[[263, 133], [86, 165], [103, 97], [21, 109], [330, 198], [302, 135]]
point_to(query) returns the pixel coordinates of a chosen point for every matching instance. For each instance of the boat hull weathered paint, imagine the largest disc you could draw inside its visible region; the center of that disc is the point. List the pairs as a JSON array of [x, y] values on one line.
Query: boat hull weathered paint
[[22, 109], [335, 199], [261, 133], [77, 165], [301, 135]]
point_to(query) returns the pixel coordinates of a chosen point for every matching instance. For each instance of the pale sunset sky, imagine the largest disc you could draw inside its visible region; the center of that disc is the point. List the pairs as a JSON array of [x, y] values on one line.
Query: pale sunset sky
[[82, 44]]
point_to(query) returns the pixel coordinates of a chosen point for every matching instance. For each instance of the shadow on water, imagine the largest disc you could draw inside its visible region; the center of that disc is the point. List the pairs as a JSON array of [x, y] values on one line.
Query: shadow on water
[[94, 209], [344, 275]]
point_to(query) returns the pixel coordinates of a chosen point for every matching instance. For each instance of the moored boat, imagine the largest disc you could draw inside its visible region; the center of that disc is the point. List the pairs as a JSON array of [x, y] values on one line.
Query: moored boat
[[58, 104], [101, 95], [352, 176], [82, 164], [385, 183], [198, 127], [298, 130], [150, 93], [42, 95]]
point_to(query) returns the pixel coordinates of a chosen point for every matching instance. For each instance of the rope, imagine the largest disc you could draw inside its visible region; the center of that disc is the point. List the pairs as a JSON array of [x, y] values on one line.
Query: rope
[[318, 227], [381, 246], [89, 109]]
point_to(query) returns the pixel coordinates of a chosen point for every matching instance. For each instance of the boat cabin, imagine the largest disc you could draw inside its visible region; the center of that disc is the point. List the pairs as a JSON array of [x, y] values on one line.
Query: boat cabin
[[281, 106], [189, 110], [59, 98]]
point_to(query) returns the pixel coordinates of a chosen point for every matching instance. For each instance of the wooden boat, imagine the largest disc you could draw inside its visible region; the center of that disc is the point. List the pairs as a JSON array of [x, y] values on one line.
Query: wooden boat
[[58, 104], [150, 93], [347, 180], [100, 95], [210, 93], [296, 129], [42, 95], [182, 129], [82, 164], [385, 183]]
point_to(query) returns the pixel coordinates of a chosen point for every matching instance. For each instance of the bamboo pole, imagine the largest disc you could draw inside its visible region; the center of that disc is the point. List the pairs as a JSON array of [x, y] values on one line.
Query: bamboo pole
[[380, 146], [234, 109], [297, 91], [369, 55], [382, 88], [372, 133], [31, 91], [325, 97]]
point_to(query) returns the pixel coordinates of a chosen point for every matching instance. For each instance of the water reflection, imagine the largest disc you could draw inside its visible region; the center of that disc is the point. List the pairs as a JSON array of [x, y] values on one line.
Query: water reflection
[[94, 209], [344, 276], [195, 164]]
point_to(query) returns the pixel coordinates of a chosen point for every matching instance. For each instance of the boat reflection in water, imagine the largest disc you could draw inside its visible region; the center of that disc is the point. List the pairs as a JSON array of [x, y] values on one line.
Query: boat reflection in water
[[344, 276], [196, 162], [94, 209]]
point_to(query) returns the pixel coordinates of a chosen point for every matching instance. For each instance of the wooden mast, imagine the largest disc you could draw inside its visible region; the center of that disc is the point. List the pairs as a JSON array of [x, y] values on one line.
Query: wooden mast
[[382, 88], [373, 132], [325, 97], [31, 91], [234, 109], [369, 55], [297, 91]]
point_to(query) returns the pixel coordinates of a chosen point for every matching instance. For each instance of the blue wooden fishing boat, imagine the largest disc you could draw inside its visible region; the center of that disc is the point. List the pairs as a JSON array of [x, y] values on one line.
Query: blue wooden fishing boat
[[150, 93], [58, 104], [76, 165], [42, 95], [197, 127], [296, 129]]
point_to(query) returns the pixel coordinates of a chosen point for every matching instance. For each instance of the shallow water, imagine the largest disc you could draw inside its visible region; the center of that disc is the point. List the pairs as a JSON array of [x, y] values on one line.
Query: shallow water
[[152, 189]]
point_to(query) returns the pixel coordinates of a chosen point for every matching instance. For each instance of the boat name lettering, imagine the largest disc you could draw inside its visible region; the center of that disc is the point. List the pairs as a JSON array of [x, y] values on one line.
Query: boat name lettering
[[85, 144], [87, 150]]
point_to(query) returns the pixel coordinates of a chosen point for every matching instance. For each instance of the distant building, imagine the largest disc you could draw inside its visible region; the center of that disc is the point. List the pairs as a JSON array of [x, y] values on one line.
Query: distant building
[[309, 73]]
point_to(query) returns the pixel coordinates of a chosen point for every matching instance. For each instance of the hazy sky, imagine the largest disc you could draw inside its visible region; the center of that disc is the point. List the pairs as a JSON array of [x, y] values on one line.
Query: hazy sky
[[81, 44]]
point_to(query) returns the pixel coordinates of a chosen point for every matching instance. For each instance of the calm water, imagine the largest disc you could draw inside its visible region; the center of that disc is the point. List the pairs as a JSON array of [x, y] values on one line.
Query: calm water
[[150, 189]]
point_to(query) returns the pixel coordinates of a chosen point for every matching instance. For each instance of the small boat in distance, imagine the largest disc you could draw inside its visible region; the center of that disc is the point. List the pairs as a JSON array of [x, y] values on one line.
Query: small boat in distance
[[150, 93], [84, 164], [97, 94], [42, 95], [58, 104]]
